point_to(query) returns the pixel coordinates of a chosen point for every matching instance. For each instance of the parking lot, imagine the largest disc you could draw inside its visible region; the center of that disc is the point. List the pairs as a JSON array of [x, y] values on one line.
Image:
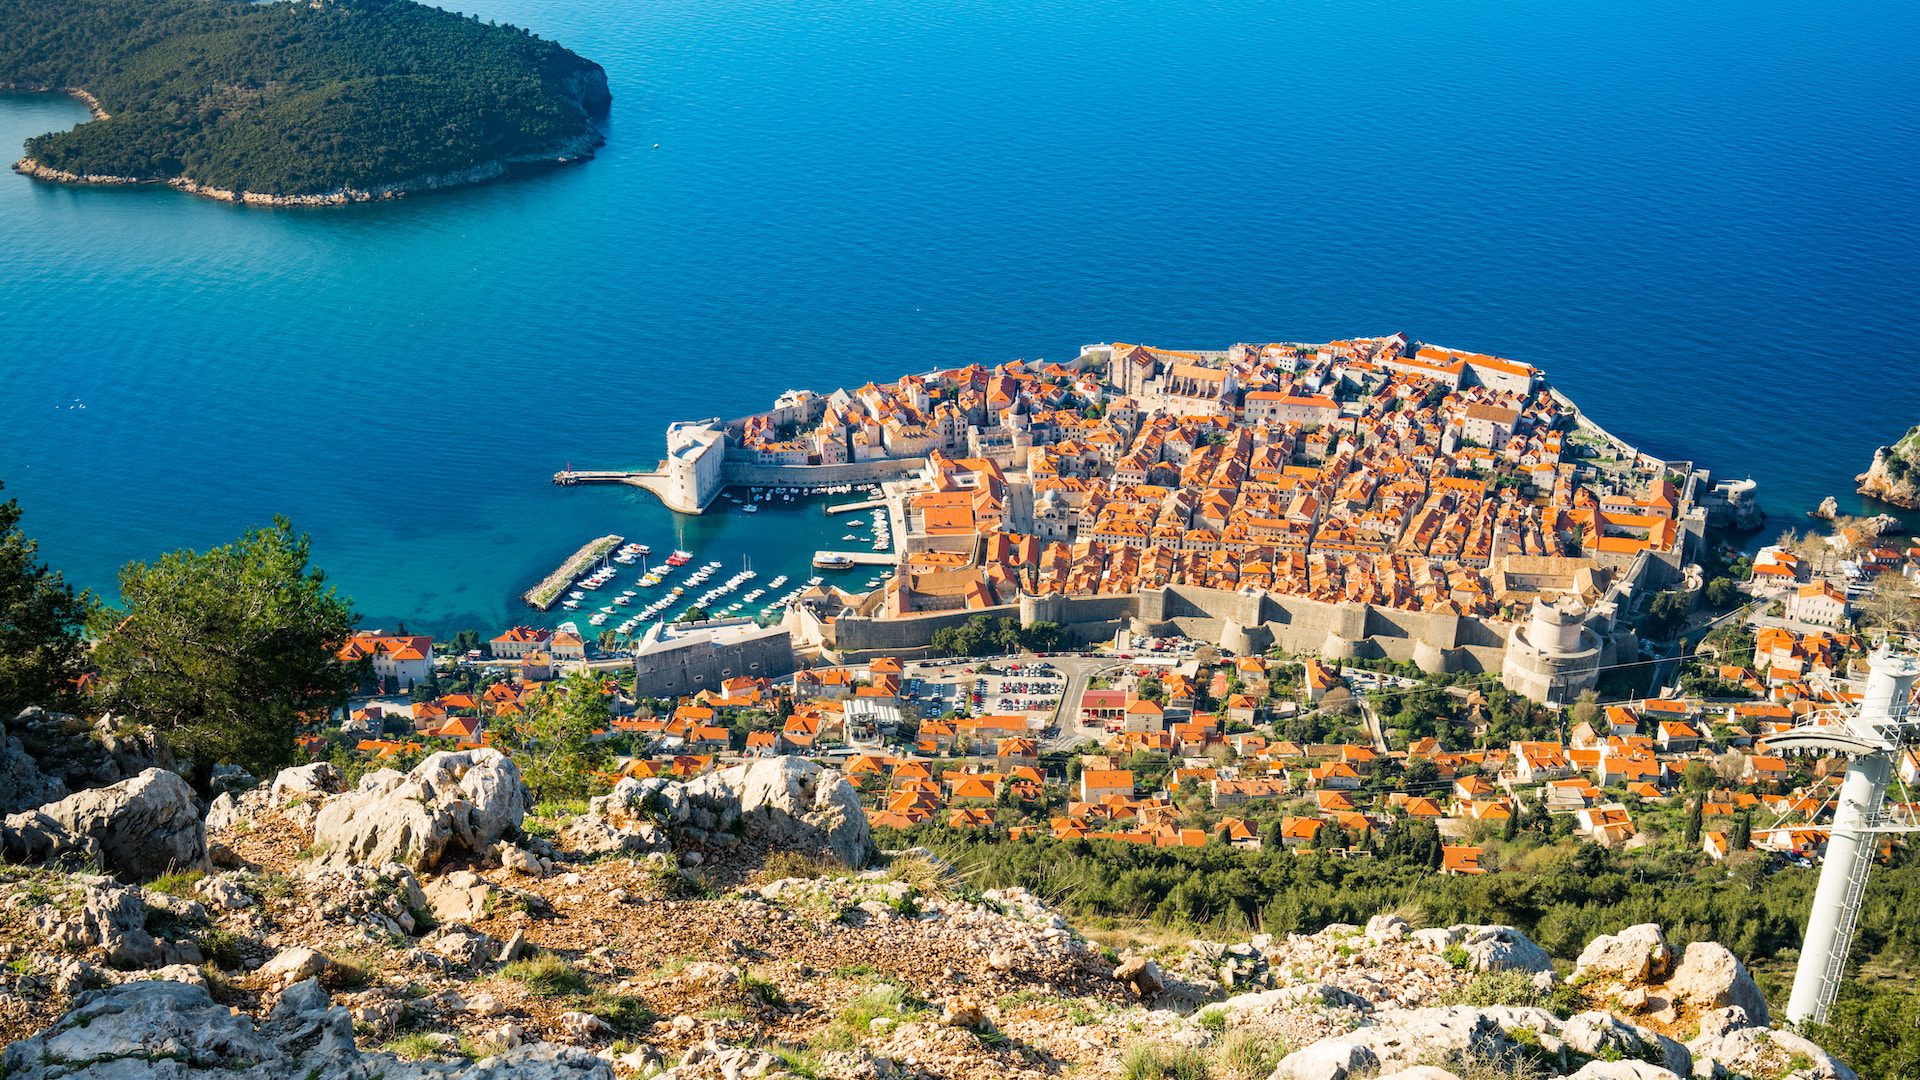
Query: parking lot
[[1001, 688]]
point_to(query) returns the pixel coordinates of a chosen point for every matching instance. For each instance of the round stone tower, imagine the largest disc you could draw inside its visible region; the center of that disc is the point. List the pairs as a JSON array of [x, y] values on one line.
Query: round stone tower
[[1554, 655]]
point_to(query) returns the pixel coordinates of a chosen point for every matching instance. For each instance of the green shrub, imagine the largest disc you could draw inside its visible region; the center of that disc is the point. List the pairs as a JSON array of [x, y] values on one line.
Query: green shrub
[[546, 975], [1456, 957], [763, 991], [1248, 1055], [1151, 1061]]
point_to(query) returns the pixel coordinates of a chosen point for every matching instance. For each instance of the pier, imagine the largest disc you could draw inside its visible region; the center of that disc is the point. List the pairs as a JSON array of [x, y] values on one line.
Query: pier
[[543, 595], [569, 477], [847, 508]]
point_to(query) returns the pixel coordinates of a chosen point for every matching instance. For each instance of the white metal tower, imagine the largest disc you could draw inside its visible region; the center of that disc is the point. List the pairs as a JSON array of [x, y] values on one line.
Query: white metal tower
[[1870, 737]]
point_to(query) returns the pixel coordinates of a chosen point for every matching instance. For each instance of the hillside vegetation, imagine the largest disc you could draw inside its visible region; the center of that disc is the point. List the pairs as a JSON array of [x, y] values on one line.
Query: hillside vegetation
[[295, 99]]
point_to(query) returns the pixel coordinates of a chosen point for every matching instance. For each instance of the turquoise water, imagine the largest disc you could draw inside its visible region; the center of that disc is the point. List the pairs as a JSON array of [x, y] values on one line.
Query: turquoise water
[[1699, 217]]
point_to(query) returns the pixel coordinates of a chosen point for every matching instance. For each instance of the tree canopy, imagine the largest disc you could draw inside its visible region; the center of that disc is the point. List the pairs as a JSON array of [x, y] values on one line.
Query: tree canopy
[[293, 98], [41, 620], [225, 653]]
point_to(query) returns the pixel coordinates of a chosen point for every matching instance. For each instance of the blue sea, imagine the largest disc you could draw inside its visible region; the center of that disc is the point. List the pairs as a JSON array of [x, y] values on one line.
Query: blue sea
[[1699, 217]]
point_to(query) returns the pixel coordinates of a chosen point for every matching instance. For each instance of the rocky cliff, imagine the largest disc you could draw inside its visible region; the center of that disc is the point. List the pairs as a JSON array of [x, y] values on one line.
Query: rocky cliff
[[715, 929], [1894, 476]]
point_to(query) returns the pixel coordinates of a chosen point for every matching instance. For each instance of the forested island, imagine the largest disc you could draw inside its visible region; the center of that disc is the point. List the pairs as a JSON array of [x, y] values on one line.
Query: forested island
[[329, 101]]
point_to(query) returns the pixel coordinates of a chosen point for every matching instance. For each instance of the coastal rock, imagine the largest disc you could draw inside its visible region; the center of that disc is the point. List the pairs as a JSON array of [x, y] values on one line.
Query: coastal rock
[[786, 802], [466, 800], [1892, 477], [136, 829]]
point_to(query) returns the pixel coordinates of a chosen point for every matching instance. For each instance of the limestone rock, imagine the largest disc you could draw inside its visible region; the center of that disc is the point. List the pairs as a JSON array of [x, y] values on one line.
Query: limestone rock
[[99, 914], [461, 896], [1141, 975], [1500, 948], [1328, 1059], [1623, 1070], [1602, 1035], [22, 785], [136, 829], [317, 779], [1634, 956], [466, 799], [294, 965], [159, 1030], [786, 802], [1711, 977], [1386, 928], [1754, 1051]]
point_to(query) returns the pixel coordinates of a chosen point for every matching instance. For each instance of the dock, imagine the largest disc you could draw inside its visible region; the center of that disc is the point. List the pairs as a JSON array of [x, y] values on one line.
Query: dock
[[543, 595], [861, 558], [847, 508]]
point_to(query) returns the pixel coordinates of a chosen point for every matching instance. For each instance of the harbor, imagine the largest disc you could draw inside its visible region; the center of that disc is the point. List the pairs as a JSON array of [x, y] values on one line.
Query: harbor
[[756, 551]]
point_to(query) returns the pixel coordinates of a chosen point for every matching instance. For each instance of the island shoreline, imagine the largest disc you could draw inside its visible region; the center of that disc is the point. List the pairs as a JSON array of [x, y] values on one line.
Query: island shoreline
[[572, 151]]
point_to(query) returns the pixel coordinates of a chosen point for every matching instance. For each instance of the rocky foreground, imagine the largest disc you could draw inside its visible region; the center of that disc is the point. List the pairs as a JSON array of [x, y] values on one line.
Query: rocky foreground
[[430, 924]]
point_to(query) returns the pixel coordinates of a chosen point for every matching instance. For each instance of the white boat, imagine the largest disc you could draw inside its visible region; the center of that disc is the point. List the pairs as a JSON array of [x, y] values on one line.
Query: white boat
[[750, 509], [571, 605]]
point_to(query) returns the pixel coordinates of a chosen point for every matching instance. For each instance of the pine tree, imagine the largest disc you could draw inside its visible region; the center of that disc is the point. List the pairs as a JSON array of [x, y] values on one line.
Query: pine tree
[[1693, 820]]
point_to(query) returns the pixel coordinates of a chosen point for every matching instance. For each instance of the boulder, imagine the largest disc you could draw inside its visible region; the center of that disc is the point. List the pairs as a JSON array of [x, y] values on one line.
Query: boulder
[[461, 896], [1603, 1035], [1386, 928], [1633, 957], [785, 802], [1623, 1070], [1329, 1059], [22, 785], [1141, 975], [1501, 948], [1710, 977], [161, 1030], [1754, 1051], [384, 897], [99, 914], [1402, 1038], [1288, 999], [136, 829], [294, 965], [454, 800], [308, 781]]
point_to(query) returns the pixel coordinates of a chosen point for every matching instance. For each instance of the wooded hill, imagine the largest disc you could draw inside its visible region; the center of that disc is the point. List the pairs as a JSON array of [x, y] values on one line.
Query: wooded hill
[[295, 98]]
